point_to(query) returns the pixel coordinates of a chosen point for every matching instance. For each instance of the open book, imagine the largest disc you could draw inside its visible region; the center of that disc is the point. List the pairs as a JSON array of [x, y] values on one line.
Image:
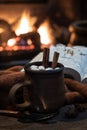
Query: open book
[[73, 58]]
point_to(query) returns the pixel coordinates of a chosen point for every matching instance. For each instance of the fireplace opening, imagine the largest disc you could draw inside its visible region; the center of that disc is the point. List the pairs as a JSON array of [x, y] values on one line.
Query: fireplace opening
[[16, 48], [27, 27]]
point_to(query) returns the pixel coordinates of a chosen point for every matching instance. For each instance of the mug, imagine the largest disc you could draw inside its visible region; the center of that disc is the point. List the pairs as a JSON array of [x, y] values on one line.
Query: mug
[[78, 33], [5, 103], [43, 91]]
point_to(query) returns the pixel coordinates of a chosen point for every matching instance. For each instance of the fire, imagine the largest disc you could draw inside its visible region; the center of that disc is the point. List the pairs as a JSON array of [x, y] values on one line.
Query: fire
[[12, 45], [23, 27], [45, 33], [11, 42], [26, 24]]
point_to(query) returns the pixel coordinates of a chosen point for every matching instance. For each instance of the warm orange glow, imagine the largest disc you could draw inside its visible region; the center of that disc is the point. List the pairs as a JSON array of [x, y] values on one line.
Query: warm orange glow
[[29, 42], [1, 30], [26, 24], [1, 48], [11, 42], [45, 33]]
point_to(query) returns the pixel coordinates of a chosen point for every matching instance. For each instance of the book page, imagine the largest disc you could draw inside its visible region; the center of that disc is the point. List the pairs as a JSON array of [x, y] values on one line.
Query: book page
[[71, 57], [83, 53]]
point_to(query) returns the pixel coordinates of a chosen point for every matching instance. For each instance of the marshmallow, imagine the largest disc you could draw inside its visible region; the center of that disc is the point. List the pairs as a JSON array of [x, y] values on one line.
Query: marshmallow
[[41, 67], [34, 67], [57, 68], [49, 68]]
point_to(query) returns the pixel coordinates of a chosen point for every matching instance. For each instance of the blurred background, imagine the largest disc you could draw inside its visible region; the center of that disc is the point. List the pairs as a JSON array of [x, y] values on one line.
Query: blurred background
[[27, 26]]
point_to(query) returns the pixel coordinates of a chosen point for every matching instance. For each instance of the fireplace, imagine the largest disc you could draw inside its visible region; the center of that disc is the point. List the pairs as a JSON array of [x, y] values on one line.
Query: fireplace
[[46, 23]]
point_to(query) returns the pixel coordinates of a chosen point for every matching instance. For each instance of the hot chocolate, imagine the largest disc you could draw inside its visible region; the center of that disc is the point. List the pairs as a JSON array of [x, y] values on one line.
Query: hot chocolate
[[42, 68]]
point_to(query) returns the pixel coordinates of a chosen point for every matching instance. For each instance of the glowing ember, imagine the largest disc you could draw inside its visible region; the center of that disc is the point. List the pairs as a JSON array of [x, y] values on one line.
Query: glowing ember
[[29, 42], [13, 45], [11, 42], [45, 33], [1, 48]]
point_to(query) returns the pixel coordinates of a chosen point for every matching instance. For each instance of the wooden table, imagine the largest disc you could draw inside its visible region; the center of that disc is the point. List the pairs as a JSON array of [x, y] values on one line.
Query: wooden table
[[58, 122]]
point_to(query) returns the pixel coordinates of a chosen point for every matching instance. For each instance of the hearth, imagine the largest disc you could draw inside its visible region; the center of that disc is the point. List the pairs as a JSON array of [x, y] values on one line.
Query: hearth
[[19, 49], [28, 26]]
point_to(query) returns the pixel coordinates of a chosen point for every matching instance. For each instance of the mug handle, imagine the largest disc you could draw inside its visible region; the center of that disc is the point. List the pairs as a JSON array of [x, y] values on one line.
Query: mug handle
[[13, 92]]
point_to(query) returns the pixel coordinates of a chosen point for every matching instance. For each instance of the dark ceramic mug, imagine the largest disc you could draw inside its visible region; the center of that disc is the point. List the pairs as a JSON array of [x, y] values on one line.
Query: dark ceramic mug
[[43, 91], [78, 33]]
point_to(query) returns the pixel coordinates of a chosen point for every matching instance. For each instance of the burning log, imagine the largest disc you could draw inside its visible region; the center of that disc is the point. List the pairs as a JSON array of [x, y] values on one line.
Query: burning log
[[6, 32], [34, 37]]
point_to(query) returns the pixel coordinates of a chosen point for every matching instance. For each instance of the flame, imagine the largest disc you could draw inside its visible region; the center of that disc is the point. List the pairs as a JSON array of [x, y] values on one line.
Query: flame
[[45, 33], [26, 24]]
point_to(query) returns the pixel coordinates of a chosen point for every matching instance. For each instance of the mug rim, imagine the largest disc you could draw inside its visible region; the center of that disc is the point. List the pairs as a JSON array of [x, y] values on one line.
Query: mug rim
[[78, 27], [42, 71]]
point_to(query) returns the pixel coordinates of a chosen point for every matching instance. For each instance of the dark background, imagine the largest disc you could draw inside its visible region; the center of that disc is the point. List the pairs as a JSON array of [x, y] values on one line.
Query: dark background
[[23, 1]]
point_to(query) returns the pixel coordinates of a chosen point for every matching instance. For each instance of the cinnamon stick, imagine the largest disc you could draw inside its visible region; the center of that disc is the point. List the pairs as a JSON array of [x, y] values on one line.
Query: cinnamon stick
[[45, 57], [55, 59]]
